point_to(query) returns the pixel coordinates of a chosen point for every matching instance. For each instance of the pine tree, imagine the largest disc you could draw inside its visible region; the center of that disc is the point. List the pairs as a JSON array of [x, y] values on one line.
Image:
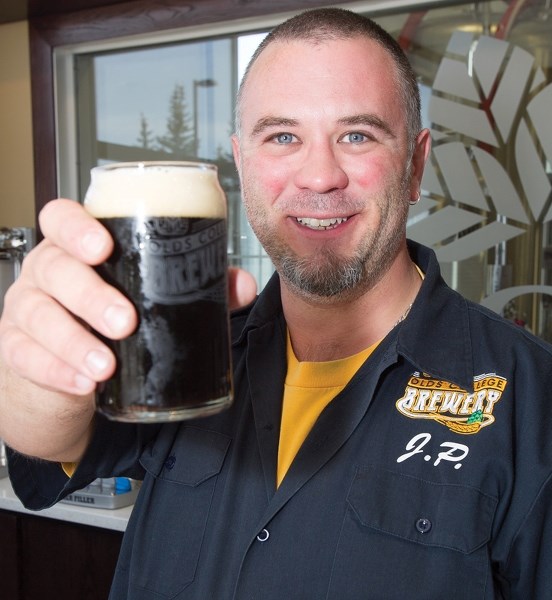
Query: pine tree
[[179, 137], [145, 138]]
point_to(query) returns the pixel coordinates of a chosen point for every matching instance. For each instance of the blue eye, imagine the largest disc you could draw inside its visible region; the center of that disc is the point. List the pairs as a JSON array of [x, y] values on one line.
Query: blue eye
[[284, 138], [354, 138]]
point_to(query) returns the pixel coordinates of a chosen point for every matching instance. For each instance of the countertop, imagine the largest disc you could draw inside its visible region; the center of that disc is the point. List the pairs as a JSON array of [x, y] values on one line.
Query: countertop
[[115, 519]]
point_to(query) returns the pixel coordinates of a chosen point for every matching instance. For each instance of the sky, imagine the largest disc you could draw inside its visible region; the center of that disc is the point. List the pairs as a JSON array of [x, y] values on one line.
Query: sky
[[133, 83]]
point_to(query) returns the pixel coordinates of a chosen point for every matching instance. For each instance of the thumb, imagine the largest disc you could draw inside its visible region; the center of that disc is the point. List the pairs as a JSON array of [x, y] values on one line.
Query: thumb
[[242, 288]]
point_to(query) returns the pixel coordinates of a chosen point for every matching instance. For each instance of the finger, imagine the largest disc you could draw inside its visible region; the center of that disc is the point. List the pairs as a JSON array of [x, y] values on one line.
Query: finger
[[78, 288], [242, 288], [31, 361], [58, 333], [67, 224]]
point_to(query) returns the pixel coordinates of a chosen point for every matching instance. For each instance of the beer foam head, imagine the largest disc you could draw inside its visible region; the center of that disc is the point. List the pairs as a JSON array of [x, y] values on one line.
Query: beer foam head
[[155, 189]]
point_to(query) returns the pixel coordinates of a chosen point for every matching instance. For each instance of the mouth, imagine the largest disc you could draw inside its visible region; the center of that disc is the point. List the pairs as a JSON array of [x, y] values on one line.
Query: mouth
[[321, 224]]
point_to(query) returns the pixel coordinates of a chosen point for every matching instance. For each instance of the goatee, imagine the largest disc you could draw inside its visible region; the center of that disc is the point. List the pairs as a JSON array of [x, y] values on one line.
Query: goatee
[[328, 276]]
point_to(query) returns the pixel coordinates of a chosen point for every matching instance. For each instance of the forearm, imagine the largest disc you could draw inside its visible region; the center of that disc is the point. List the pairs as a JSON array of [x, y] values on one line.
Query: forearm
[[42, 423]]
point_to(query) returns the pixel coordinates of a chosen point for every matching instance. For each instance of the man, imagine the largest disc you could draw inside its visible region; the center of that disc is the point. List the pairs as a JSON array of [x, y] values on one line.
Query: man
[[388, 438]]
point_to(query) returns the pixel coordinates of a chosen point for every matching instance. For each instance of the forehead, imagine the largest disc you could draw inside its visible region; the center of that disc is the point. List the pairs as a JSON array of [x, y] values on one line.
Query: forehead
[[341, 76]]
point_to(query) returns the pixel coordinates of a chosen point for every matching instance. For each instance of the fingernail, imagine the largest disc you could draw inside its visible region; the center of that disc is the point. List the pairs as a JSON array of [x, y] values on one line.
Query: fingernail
[[93, 243], [117, 318], [97, 361]]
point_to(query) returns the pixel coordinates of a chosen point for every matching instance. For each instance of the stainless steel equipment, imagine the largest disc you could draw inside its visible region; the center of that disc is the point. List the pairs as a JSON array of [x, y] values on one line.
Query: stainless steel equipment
[[111, 492], [15, 243], [3, 460]]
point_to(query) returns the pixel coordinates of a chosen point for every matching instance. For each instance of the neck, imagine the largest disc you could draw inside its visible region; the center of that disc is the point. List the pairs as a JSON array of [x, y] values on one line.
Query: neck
[[330, 331]]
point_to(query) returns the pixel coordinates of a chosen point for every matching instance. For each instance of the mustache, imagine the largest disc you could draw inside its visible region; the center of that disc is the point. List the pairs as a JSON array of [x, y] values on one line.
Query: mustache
[[335, 202]]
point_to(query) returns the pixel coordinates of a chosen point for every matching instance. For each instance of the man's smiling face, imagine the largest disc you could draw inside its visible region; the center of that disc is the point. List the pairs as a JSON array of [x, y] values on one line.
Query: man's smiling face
[[324, 163]]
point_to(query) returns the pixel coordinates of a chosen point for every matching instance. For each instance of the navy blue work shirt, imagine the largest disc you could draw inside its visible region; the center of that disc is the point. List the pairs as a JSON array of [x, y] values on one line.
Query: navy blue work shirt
[[428, 477]]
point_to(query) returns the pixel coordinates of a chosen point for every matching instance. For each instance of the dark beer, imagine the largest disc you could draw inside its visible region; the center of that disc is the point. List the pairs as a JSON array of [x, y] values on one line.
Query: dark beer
[[174, 269]]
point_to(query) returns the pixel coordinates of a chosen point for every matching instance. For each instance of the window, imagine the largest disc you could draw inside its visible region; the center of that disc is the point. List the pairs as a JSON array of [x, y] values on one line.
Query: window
[[164, 101]]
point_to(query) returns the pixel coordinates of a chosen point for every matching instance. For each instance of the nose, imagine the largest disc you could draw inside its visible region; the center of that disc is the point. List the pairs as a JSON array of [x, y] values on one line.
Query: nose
[[320, 170]]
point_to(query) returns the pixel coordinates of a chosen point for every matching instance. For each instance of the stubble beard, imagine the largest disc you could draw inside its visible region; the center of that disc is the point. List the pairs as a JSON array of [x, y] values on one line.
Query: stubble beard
[[327, 276]]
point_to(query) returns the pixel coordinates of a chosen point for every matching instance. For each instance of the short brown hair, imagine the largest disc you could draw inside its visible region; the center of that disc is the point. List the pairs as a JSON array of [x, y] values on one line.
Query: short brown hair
[[321, 25]]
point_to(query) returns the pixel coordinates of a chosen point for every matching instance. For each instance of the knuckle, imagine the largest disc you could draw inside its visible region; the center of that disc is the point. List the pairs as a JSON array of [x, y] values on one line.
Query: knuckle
[[52, 326], [36, 267], [10, 300], [47, 263], [46, 214], [40, 363], [51, 217], [14, 348], [30, 258], [30, 310], [20, 355], [28, 360], [5, 341]]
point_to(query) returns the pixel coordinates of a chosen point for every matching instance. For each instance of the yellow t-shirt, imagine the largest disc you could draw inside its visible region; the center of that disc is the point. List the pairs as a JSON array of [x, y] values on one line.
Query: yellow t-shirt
[[309, 387], [69, 468]]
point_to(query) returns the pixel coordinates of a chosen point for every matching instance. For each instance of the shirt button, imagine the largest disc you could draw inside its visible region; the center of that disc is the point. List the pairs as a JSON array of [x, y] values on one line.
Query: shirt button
[[423, 525], [263, 536]]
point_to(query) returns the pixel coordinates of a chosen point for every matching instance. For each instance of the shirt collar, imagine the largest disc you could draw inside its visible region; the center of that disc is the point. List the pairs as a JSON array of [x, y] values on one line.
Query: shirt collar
[[435, 337]]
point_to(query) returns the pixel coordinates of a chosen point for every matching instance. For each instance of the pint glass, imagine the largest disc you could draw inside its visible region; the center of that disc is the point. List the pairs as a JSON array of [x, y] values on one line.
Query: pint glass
[[168, 222]]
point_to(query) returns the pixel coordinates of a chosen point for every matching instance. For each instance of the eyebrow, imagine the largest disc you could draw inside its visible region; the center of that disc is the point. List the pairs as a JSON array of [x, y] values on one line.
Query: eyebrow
[[366, 119], [268, 122], [369, 120]]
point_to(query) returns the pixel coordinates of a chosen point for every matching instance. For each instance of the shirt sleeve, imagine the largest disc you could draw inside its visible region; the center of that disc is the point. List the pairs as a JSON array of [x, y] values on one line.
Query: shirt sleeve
[[114, 451]]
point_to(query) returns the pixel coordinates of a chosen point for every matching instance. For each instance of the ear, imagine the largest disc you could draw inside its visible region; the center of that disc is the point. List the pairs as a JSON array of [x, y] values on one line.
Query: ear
[[236, 151], [420, 155]]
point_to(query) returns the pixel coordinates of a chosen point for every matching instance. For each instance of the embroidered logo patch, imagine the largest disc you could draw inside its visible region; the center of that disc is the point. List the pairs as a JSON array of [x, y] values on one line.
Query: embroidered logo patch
[[462, 412]]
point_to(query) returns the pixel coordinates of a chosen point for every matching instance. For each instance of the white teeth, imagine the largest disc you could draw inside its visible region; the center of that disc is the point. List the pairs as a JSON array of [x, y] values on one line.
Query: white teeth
[[321, 223]]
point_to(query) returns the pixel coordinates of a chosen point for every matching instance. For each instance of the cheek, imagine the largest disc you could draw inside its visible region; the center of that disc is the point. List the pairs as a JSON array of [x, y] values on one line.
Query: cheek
[[270, 177], [375, 175], [369, 174]]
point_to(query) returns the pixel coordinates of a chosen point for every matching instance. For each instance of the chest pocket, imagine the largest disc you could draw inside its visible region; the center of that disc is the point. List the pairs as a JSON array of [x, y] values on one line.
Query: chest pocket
[[413, 539], [173, 509]]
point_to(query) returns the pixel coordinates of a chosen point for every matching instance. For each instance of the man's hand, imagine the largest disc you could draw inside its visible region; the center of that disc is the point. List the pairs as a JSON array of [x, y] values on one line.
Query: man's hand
[[45, 332]]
